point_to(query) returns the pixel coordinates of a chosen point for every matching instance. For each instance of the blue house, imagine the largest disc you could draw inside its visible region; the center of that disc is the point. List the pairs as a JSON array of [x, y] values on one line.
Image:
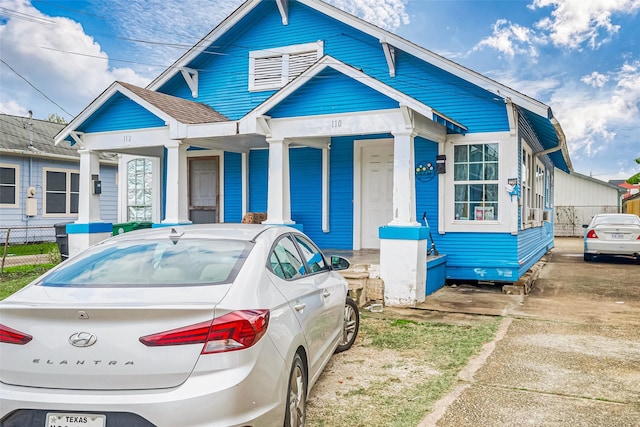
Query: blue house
[[335, 126]]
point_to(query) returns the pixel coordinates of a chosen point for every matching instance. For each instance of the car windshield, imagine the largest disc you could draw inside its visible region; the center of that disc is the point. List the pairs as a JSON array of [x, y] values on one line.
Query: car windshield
[[618, 220], [187, 262]]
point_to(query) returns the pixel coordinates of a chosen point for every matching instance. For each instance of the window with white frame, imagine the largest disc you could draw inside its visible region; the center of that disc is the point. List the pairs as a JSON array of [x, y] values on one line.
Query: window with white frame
[[139, 190], [273, 68], [476, 182], [9, 186], [539, 186], [62, 192]]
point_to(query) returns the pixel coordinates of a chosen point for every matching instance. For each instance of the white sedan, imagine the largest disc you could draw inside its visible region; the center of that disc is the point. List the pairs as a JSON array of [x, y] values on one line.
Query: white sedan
[[213, 325], [612, 234]]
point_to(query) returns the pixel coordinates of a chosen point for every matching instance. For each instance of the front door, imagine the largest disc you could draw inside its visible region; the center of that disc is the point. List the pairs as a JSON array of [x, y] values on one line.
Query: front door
[[377, 191], [203, 190]]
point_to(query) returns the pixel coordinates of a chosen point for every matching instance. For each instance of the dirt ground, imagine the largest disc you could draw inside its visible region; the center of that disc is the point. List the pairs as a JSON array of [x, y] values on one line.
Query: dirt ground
[[569, 355]]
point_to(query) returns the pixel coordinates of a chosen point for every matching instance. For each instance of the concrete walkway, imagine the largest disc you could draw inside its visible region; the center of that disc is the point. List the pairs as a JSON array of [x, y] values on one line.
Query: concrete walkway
[[567, 354]]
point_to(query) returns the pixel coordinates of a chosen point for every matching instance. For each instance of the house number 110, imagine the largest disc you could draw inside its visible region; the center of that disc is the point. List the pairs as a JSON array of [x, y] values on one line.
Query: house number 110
[[336, 123]]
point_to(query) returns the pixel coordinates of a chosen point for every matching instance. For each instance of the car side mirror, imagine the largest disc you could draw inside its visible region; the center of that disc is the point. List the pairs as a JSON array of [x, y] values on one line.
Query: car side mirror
[[339, 263]]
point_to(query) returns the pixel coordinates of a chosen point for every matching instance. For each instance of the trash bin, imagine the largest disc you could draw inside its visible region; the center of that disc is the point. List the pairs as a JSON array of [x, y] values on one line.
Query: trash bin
[[62, 239], [130, 226]]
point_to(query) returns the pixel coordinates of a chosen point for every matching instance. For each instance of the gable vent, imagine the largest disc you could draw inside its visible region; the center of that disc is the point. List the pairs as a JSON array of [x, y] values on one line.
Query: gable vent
[[273, 68]]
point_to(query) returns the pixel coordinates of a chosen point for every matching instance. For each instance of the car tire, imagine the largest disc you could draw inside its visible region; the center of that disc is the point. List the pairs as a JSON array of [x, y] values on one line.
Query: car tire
[[350, 326], [296, 409], [588, 257]]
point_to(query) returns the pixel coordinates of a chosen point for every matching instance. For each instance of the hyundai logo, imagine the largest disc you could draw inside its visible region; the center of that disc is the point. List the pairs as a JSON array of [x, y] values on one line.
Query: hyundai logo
[[82, 339]]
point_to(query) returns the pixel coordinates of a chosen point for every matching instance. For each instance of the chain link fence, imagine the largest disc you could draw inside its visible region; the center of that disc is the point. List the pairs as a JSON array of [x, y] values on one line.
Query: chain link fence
[[28, 246]]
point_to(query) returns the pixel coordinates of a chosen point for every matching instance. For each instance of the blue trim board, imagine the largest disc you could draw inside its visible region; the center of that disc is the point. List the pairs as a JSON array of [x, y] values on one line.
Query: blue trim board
[[403, 233], [90, 228], [178, 224]]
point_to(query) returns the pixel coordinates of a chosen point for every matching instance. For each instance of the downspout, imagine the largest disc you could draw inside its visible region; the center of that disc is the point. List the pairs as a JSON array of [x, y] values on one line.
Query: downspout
[[562, 143]]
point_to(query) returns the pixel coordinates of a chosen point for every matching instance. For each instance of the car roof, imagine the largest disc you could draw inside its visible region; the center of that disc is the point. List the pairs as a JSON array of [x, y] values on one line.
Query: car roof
[[235, 231]]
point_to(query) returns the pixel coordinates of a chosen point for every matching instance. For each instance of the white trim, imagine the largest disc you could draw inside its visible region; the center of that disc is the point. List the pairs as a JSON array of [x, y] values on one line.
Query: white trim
[[191, 77], [245, 182], [17, 189], [390, 56], [220, 155], [382, 35], [358, 145], [284, 53], [325, 189], [283, 7], [507, 150], [248, 123], [67, 213], [156, 186]]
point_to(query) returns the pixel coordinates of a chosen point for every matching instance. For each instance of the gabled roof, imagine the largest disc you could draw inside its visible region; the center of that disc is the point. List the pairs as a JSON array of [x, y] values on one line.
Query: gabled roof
[[184, 111], [382, 35], [167, 107], [31, 136]]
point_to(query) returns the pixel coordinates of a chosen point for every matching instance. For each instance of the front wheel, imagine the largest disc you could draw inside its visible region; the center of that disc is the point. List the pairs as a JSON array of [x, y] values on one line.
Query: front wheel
[[350, 326], [296, 410]]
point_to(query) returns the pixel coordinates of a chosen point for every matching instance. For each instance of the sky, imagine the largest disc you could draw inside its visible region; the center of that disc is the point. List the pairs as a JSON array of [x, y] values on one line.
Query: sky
[[580, 57]]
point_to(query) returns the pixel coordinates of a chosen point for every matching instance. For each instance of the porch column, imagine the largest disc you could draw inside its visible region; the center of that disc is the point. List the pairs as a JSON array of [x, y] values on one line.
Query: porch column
[[278, 187], [176, 210], [404, 182], [89, 229], [403, 243], [88, 203]]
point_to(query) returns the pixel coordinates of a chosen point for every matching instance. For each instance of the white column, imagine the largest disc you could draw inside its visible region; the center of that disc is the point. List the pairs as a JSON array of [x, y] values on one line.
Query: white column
[[279, 188], [176, 201], [404, 189], [89, 203]]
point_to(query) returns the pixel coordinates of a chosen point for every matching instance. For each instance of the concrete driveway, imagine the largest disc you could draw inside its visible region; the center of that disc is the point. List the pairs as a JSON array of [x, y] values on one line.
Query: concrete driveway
[[567, 354]]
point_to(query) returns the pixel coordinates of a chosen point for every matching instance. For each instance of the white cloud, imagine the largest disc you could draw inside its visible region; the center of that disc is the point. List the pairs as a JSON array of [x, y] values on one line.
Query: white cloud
[[512, 39], [574, 22], [56, 56], [595, 79], [387, 14], [589, 115]]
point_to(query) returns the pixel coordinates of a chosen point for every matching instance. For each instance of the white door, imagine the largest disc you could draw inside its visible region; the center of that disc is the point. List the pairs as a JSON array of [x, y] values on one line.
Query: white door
[[203, 190], [377, 192]]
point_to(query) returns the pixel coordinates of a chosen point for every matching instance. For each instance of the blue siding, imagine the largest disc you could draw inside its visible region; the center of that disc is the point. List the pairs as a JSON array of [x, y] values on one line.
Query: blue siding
[[120, 113], [481, 256], [427, 190], [232, 187], [224, 76], [533, 243], [32, 175], [258, 177], [331, 92]]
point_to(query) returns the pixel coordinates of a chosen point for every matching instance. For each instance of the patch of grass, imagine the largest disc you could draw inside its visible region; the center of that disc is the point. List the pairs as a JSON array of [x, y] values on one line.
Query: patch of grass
[[31, 248], [15, 278], [432, 353]]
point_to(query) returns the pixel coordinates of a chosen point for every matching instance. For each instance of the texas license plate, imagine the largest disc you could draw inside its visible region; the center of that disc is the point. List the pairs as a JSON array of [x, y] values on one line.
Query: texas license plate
[[75, 420], [617, 236]]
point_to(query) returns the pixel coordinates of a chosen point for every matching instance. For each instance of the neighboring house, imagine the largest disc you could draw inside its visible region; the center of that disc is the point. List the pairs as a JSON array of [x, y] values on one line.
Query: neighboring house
[[631, 204], [629, 189], [39, 181], [335, 126], [577, 198]]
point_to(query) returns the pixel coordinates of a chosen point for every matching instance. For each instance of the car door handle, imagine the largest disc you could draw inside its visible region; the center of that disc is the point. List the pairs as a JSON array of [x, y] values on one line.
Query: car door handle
[[299, 307], [326, 293]]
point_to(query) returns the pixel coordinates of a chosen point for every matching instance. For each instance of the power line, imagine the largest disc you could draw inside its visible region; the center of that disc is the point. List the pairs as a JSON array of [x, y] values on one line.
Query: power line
[[38, 90]]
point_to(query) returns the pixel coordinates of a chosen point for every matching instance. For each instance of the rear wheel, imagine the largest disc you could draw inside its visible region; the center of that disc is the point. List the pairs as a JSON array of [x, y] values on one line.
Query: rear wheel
[[588, 257], [296, 411], [350, 326]]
